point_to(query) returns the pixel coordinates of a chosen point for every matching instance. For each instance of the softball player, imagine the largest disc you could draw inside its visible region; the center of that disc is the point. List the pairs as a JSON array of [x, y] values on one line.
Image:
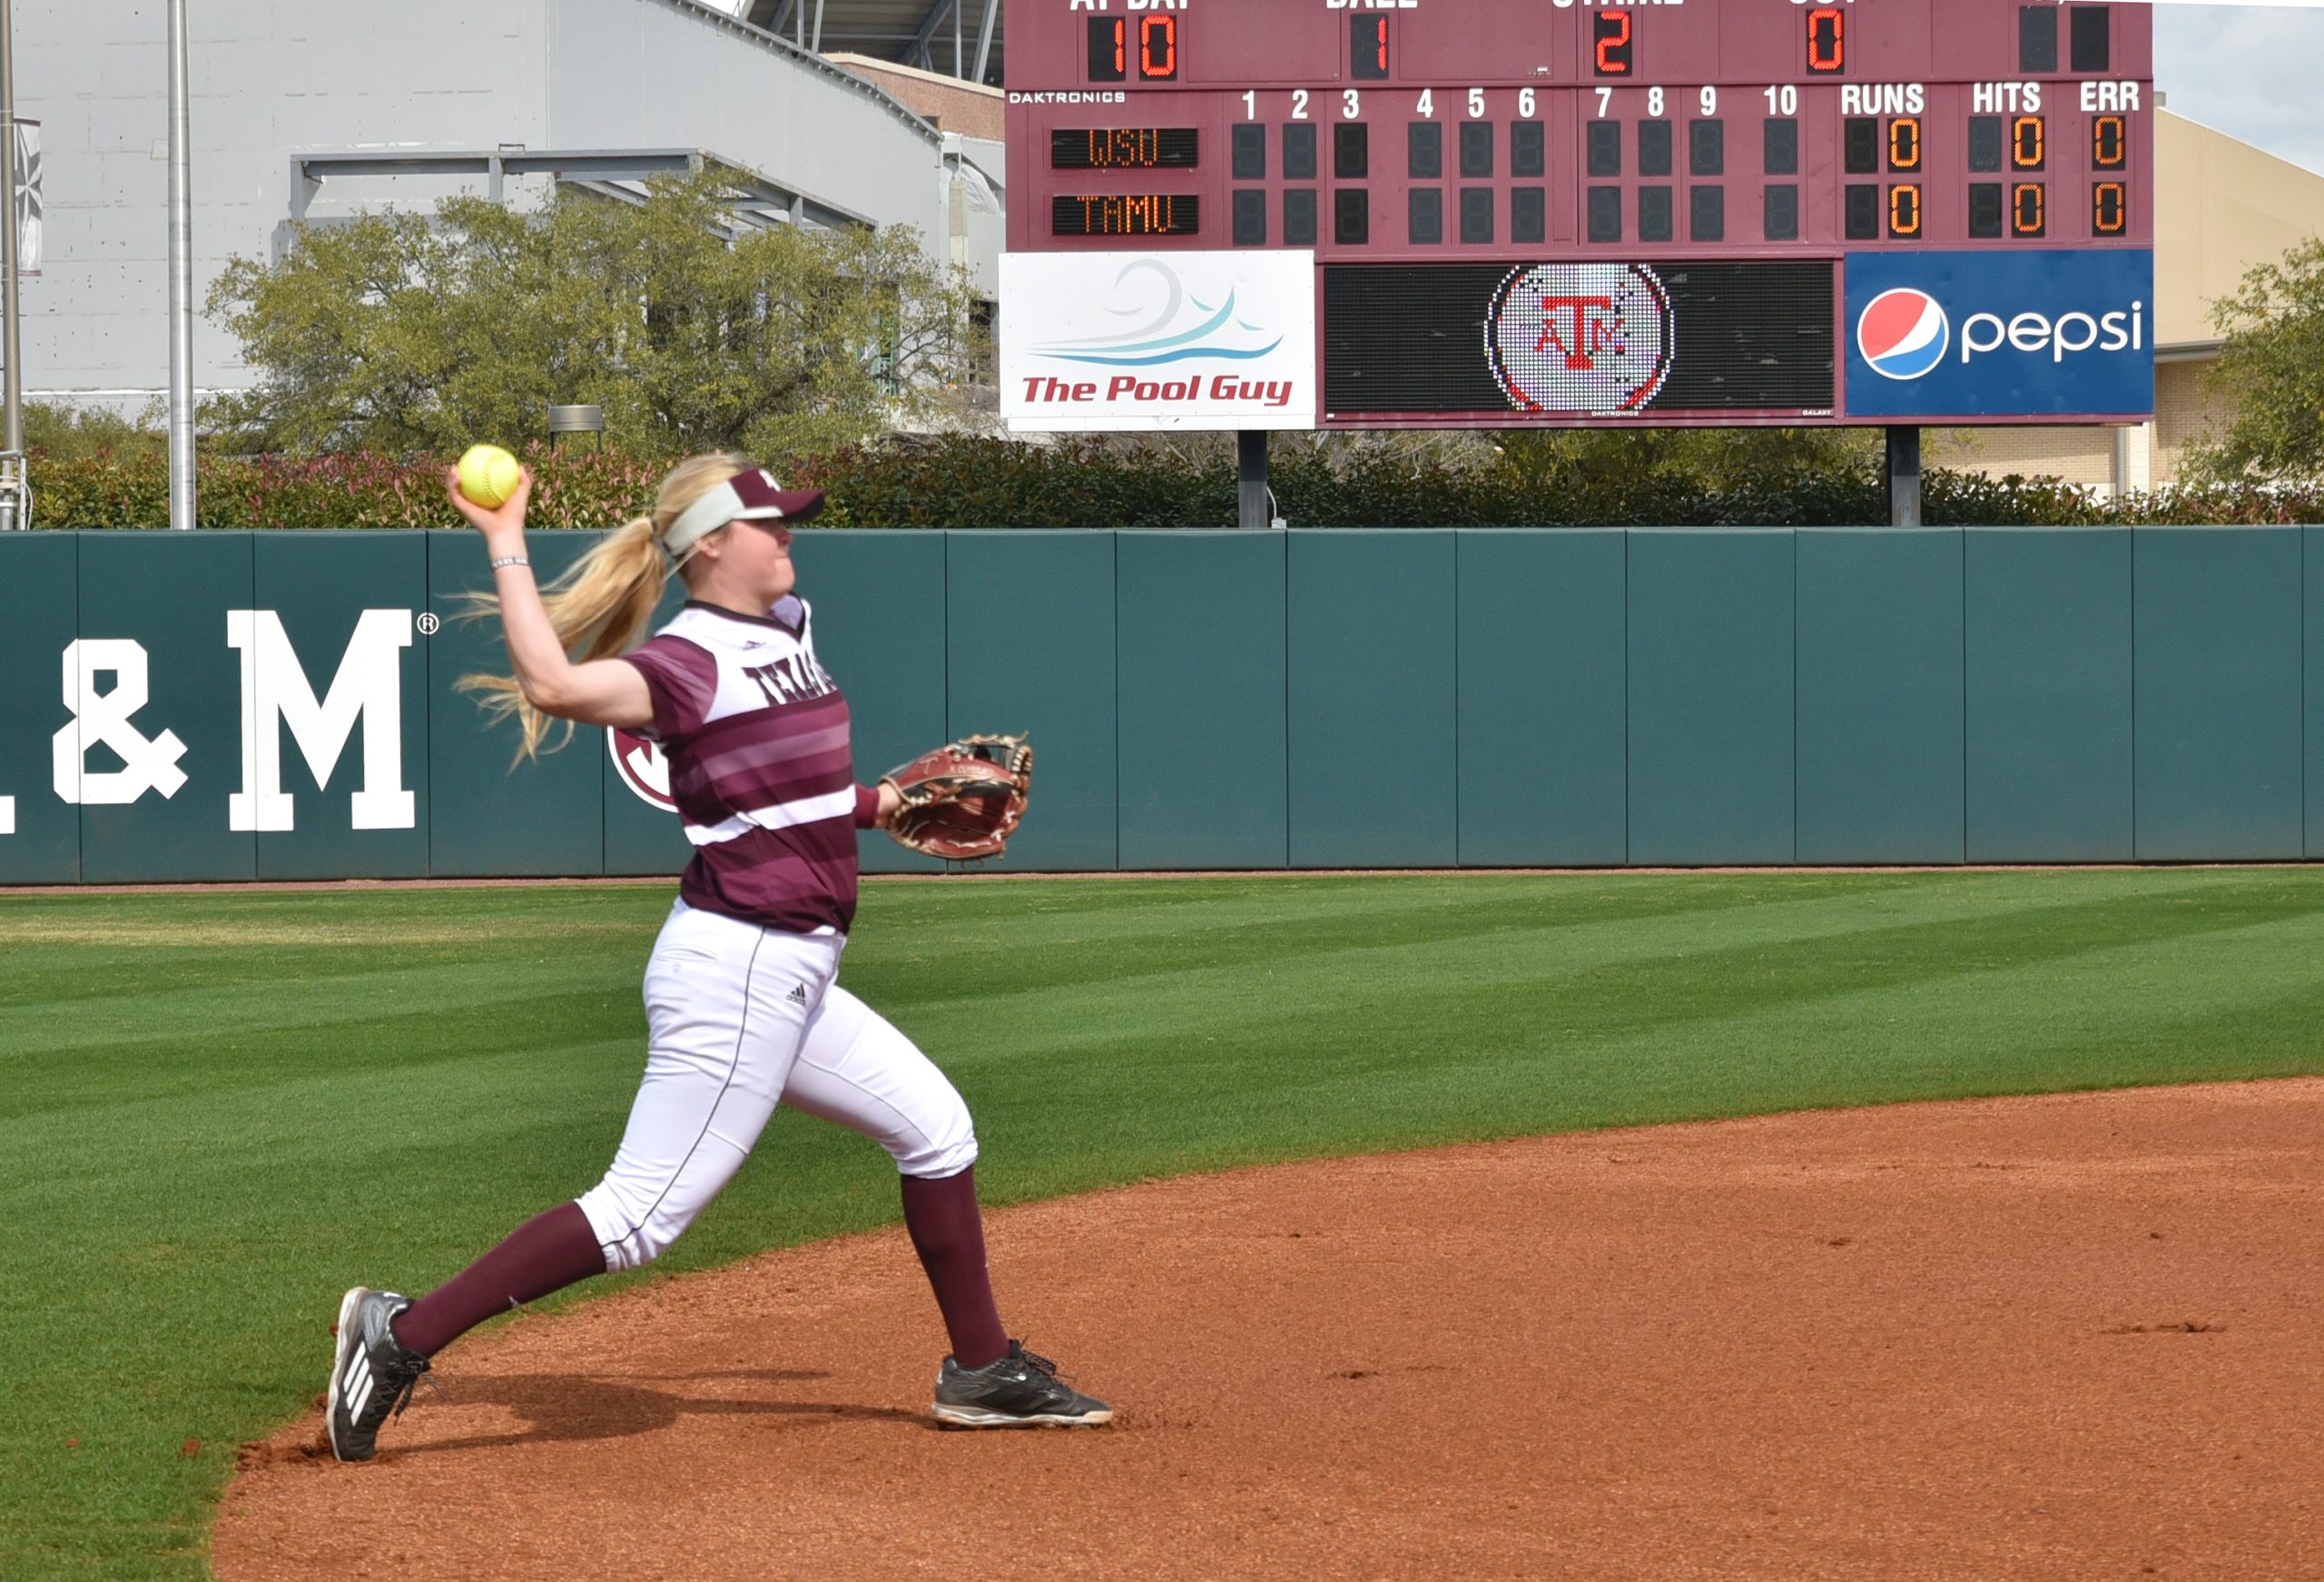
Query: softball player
[[743, 1007]]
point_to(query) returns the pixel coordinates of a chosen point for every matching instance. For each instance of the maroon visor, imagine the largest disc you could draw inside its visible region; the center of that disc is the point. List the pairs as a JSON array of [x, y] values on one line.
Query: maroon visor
[[747, 496]]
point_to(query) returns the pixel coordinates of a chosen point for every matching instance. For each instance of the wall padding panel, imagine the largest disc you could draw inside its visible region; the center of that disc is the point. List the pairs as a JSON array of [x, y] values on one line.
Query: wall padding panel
[[492, 815], [2219, 705], [2313, 635], [1514, 698], [1031, 641], [1710, 697], [2049, 617], [1371, 679], [1880, 688], [1202, 687], [879, 629], [354, 787], [40, 832], [169, 594], [1541, 622]]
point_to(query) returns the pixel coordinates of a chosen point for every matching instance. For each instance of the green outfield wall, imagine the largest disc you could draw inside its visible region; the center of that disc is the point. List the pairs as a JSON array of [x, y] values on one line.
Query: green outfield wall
[[280, 705]]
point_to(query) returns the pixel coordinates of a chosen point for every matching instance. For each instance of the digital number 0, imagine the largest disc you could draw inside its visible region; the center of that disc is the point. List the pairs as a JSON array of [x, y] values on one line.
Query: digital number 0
[[2109, 142], [1158, 48], [1828, 42]]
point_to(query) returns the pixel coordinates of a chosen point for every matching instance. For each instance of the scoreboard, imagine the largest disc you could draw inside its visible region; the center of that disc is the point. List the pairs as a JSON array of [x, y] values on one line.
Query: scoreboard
[[1495, 212]]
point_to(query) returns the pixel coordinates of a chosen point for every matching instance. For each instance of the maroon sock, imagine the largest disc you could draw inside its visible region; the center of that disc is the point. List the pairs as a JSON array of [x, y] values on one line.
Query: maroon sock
[[948, 1236], [547, 1252]]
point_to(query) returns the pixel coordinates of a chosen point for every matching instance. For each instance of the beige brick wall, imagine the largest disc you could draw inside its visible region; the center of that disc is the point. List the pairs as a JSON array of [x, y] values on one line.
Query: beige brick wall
[[2185, 407], [970, 109], [2079, 456]]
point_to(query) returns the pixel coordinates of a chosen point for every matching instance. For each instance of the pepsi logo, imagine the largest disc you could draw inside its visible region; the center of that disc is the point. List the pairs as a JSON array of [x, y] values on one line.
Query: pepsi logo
[[643, 768], [1904, 333]]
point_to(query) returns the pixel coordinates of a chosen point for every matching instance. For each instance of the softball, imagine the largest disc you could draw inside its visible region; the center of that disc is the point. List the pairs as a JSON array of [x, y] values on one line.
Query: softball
[[489, 474]]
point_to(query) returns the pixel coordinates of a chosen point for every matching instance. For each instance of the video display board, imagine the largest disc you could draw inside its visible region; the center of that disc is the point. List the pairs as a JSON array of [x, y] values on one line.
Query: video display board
[[1557, 211]]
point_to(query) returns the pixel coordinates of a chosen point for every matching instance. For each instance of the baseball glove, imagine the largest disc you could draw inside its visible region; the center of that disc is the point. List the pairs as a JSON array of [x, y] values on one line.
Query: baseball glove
[[963, 800]]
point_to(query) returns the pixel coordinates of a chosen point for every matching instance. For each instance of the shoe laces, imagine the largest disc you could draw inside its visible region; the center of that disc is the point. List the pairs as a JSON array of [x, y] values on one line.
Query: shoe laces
[[410, 1370], [1035, 1361]]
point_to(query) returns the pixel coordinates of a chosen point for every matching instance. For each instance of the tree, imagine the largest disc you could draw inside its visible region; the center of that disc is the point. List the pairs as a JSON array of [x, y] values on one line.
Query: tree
[[407, 331], [2271, 370]]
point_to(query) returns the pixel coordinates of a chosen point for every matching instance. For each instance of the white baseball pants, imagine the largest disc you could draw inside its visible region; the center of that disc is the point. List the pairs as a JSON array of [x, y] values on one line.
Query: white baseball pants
[[741, 1018]]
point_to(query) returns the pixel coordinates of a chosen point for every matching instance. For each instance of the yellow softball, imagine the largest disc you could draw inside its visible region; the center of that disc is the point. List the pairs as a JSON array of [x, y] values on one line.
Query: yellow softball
[[489, 474]]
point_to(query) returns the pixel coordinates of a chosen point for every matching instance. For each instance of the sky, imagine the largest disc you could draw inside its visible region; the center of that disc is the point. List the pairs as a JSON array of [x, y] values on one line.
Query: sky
[[2248, 71]]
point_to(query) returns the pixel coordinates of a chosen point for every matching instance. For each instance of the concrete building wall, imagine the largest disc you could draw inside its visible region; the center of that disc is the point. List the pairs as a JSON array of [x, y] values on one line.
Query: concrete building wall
[[269, 77], [673, 74], [2221, 206], [274, 79], [972, 119]]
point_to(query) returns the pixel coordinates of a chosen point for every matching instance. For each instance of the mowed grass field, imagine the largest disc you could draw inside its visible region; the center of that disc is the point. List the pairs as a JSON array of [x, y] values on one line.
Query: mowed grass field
[[218, 1110]]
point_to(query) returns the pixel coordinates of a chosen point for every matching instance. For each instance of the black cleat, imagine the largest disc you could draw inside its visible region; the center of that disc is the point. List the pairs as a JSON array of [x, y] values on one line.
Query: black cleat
[[1018, 1390], [373, 1374]]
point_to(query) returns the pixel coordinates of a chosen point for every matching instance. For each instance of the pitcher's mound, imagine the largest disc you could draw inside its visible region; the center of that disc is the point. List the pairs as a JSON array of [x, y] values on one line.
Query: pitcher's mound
[[2069, 1336]]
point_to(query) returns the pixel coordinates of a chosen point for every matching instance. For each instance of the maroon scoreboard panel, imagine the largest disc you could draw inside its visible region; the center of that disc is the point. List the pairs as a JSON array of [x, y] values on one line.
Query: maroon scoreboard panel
[[1697, 211]]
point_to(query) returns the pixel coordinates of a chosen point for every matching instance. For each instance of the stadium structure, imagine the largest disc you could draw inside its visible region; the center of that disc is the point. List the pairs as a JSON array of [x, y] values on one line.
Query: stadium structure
[[310, 112]]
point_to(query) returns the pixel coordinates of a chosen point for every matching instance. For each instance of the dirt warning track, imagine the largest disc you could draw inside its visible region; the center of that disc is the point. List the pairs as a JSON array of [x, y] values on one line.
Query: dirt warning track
[[2064, 1337]]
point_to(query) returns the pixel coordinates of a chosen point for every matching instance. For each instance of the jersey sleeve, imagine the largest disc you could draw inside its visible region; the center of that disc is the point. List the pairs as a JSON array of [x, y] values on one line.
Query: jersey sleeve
[[682, 678]]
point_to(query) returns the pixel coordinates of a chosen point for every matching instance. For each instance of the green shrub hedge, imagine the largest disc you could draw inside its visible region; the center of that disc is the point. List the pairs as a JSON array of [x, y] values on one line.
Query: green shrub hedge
[[969, 482]]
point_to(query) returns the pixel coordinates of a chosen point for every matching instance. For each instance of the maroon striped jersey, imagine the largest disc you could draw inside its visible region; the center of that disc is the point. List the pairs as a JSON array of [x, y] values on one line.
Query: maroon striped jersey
[[756, 734]]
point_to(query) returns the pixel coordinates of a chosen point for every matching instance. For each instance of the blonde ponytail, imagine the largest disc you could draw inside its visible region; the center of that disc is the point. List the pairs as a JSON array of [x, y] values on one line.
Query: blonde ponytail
[[605, 603]]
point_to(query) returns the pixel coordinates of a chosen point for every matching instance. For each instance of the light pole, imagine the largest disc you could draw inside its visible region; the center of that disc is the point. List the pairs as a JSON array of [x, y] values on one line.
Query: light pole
[[180, 284], [16, 503]]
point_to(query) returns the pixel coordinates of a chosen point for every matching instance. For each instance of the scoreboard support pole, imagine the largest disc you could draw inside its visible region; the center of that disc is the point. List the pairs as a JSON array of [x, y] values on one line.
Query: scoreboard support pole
[[1904, 471], [1251, 479]]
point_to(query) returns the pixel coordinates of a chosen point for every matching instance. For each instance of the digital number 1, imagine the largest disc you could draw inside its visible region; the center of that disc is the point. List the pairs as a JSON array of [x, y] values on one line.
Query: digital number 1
[[1108, 49]]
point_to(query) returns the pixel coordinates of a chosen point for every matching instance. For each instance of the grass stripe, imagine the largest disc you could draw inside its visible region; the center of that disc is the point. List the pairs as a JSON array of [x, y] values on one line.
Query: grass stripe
[[219, 1109]]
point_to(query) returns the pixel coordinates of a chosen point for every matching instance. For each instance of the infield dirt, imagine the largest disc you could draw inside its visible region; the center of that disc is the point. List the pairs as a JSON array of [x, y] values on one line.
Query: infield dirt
[[2063, 1337]]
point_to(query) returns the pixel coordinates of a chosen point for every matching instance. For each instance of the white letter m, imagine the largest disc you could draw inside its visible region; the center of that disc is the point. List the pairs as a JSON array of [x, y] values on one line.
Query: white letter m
[[275, 694]]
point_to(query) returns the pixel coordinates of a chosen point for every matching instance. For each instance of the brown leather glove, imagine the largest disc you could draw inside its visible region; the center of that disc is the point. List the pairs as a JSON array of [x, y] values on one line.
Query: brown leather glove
[[963, 800]]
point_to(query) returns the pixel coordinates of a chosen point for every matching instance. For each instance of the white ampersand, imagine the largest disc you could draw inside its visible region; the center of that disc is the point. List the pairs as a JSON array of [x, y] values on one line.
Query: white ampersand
[[102, 719]]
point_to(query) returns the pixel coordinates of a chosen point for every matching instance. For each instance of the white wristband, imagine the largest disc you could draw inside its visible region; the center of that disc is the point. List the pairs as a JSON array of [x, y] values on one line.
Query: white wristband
[[510, 560]]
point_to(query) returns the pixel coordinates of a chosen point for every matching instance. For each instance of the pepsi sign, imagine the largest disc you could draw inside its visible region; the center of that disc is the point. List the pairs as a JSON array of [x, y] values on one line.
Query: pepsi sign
[[2051, 334]]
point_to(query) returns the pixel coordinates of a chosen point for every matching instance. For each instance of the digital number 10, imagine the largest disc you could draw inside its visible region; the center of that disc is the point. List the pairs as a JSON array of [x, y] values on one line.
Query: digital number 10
[[1155, 40]]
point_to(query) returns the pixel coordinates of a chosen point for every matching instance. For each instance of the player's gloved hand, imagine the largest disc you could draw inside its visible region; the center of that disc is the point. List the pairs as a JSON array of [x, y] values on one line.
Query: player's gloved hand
[[963, 800]]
